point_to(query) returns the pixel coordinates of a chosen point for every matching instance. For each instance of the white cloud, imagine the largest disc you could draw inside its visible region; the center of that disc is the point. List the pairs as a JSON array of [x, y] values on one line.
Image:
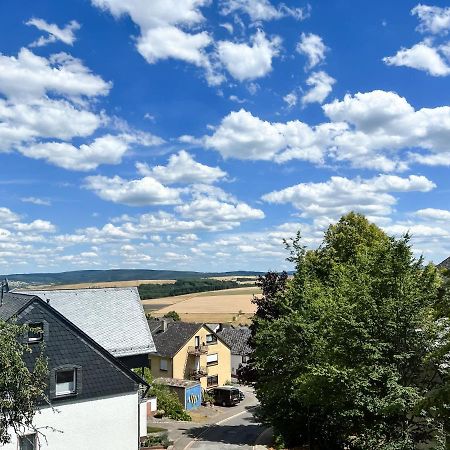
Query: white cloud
[[433, 19], [182, 168], [376, 130], [321, 86], [29, 76], [40, 226], [312, 46], [142, 192], [212, 205], [421, 56], [291, 99], [244, 136], [55, 33], [7, 216], [340, 195], [36, 201], [247, 62], [107, 149], [262, 10], [433, 214], [167, 30]]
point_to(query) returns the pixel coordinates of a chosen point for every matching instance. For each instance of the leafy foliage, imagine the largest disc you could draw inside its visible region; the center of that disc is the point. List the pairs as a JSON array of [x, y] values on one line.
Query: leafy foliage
[[20, 387], [168, 401], [349, 353], [180, 287], [172, 315]]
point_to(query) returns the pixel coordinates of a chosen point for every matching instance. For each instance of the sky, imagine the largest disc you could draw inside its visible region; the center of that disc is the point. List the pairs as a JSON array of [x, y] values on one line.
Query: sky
[[198, 134]]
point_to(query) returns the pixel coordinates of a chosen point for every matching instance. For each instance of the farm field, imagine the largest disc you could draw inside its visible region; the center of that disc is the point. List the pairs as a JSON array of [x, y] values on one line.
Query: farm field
[[105, 284], [229, 306]]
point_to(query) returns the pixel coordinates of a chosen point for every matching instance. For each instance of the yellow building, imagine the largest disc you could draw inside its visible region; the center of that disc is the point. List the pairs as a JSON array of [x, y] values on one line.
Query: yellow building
[[189, 351]]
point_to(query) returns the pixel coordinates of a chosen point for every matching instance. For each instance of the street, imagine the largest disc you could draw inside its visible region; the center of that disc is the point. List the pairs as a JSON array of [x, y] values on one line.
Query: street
[[237, 432]]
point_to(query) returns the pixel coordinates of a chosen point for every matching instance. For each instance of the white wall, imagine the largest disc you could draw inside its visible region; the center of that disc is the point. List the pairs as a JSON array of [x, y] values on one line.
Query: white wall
[[108, 423], [235, 361]]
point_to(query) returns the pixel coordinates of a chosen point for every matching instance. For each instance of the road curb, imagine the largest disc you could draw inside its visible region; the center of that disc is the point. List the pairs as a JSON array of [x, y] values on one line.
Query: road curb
[[264, 439]]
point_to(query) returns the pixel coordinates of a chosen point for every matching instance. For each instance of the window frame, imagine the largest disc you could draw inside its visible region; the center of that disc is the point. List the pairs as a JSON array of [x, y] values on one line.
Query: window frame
[[160, 365], [212, 363], [214, 339], [216, 378], [77, 382], [34, 340], [27, 436]]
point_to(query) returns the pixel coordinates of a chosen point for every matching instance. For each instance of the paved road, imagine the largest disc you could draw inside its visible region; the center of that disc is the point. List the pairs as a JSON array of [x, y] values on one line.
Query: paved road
[[239, 432]]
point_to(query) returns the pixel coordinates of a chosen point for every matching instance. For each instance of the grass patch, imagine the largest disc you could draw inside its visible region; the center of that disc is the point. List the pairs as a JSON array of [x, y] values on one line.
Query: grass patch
[[155, 429]]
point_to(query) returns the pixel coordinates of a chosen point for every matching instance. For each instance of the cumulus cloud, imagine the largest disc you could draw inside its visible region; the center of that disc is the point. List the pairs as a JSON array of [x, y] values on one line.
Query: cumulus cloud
[[291, 99], [262, 10], [434, 214], [182, 168], [378, 130], [55, 33], [29, 76], [433, 19], [421, 56], [311, 45], [340, 195], [247, 62], [321, 86], [107, 149], [167, 30], [142, 192]]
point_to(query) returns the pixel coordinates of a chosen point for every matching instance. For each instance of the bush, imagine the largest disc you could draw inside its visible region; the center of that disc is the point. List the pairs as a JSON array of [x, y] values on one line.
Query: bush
[[172, 315], [169, 402], [161, 439]]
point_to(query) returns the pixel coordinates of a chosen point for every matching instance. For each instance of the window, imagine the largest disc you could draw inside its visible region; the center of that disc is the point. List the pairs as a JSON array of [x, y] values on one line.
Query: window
[[245, 359], [212, 360], [212, 380], [66, 382], [27, 442], [35, 332], [163, 364], [211, 339]]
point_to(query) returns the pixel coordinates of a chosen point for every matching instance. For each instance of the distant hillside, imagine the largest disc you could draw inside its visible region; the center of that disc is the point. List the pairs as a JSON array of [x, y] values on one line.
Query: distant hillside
[[98, 276], [444, 264]]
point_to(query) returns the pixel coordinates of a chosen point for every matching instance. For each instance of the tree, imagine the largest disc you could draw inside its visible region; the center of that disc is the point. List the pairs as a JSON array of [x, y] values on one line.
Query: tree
[[172, 315], [20, 387], [351, 356]]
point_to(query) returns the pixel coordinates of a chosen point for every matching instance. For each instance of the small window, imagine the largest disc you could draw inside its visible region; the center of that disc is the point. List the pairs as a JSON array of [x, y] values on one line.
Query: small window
[[211, 339], [27, 442], [212, 380], [163, 365], [245, 359], [212, 360], [66, 382], [35, 332]]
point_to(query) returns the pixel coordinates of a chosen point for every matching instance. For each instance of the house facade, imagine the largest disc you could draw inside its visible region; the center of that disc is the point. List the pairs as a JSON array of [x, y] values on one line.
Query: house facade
[[189, 351], [237, 339], [94, 400]]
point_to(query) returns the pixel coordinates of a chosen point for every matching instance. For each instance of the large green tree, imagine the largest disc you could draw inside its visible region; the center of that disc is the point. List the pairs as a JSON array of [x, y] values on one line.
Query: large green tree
[[353, 349], [20, 387]]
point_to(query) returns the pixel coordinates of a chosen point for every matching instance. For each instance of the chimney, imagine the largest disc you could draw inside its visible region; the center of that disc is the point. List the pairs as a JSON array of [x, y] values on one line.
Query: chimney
[[164, 324]]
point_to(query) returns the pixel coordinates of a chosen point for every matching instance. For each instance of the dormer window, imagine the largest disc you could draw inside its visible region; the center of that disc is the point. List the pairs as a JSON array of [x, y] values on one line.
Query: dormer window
[[66, 382], [35, 332]]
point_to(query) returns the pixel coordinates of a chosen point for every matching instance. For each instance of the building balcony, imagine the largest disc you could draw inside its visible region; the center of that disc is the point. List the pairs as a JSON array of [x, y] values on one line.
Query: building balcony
[[198, 350], [196, 374]]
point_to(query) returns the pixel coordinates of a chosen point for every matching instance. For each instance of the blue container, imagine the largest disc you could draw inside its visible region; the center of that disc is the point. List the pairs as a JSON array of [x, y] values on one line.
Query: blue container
[[193, 397]]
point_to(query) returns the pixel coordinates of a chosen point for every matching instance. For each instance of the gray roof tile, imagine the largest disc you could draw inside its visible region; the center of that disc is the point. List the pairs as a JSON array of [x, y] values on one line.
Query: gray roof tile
[[113, 317], [236, 339]]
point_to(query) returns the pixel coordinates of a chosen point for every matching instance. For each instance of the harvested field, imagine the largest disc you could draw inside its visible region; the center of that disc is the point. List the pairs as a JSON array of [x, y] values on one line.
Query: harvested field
[[232, 306], [105, 284]]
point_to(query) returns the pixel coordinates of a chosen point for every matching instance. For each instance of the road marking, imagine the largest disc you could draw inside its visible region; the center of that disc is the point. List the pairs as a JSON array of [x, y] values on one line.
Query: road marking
[[212, 425]]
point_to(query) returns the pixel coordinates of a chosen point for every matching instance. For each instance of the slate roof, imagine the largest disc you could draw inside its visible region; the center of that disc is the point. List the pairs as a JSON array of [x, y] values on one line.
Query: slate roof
[[113, 317], [444, 264], [12, 303], [236, 339], [169, 342]]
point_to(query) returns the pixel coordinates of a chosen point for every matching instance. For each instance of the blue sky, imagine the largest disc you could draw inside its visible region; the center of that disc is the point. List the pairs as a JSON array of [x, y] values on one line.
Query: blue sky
[[197, 134]]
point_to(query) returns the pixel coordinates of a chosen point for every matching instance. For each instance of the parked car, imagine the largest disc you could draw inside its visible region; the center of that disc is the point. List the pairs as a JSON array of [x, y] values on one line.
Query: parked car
[[225, 395]]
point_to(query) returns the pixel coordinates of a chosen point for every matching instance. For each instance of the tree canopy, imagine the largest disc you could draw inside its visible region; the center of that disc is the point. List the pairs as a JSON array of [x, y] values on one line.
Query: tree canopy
[[351, 352], [20, 387]]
